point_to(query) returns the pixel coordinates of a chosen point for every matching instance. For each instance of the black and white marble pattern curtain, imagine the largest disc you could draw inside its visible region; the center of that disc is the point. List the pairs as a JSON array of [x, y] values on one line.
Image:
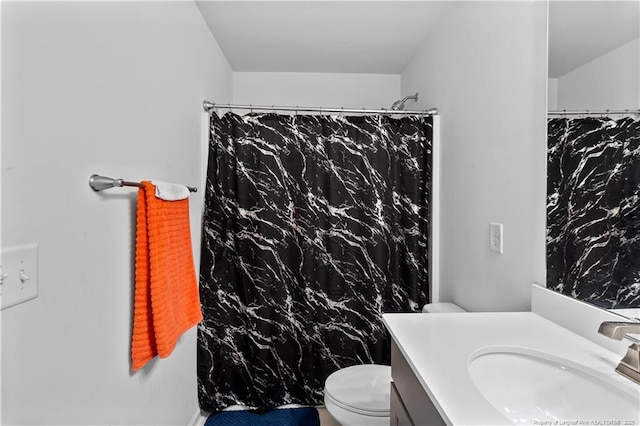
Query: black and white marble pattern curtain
[[593, 210], [313, 227]]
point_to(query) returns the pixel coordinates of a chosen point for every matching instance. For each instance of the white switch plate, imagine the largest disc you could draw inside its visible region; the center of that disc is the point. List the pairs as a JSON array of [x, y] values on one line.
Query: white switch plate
[[20, 272], [495, 237]]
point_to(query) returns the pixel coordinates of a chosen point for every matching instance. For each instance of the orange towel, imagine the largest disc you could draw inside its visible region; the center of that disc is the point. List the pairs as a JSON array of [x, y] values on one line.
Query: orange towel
[[166, 293]]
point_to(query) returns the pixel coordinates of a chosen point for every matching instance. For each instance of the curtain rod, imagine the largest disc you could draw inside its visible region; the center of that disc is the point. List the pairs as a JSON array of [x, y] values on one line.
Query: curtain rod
[[210, 106], [597, 112]]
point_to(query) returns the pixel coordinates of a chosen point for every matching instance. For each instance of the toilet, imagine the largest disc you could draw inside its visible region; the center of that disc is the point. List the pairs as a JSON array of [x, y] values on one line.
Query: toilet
[[360, 395]]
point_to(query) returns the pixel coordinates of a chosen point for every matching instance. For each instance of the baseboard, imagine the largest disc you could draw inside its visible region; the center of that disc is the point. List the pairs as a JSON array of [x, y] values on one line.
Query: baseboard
[[198, 419]]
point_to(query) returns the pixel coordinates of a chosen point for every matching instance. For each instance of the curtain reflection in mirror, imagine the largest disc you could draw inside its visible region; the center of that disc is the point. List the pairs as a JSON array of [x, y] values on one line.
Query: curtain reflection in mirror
[[593, 209]]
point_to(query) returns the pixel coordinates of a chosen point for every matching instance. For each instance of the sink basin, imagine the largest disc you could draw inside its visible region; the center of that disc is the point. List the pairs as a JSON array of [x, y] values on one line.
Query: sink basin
[[529, 386]]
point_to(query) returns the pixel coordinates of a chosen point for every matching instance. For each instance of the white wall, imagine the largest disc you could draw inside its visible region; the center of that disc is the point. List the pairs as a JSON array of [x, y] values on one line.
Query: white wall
[[611, 81], [552, 94], [113, 88], [316, 89], [1, 268], [485, 70]]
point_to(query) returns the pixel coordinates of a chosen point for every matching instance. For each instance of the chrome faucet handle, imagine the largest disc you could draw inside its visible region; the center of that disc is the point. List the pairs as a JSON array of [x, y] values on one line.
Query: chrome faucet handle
[[620, 330], [629, 366]]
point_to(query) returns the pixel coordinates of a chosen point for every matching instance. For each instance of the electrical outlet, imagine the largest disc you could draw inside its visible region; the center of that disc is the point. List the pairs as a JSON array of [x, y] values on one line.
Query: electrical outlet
[[495, 238], [19, 276]]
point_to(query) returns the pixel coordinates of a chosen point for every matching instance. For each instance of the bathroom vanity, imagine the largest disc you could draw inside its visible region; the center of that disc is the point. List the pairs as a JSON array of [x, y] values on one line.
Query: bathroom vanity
[[410, 404], [501, 368]]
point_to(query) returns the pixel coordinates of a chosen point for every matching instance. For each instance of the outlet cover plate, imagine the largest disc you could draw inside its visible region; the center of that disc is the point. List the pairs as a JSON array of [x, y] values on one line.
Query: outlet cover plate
[[496, 238]]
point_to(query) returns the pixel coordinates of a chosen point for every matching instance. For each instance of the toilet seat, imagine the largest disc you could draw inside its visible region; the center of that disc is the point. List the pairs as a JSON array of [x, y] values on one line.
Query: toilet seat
[[361, 389], [328, 399]]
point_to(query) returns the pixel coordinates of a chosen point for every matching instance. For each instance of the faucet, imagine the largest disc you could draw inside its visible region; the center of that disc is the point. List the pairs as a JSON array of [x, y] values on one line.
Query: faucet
[[629, 366]]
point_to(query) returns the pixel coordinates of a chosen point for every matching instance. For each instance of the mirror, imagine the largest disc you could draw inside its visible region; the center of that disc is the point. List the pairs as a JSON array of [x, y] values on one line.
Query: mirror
[[594, 55], [593, 195]]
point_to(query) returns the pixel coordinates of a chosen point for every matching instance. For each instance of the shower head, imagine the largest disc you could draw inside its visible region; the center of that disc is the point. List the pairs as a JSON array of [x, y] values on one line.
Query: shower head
[[399, 105]]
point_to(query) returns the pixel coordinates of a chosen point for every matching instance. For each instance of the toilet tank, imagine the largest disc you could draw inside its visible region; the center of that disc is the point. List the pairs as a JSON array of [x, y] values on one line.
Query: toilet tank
[[441, 308]]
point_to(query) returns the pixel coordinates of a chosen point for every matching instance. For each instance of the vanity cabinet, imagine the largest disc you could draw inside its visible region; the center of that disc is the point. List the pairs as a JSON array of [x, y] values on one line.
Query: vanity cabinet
[[410, 404]]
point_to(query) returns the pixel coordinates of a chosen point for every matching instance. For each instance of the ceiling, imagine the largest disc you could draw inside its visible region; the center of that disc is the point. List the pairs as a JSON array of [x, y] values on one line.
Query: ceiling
[[382, 36], [322, 36]]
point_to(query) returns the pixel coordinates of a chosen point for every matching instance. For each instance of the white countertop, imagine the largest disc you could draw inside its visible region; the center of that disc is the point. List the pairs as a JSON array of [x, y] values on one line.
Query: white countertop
[[438, 348]]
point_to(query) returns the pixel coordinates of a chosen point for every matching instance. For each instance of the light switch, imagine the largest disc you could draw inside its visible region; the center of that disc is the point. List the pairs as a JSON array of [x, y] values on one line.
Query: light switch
[[19, 274]]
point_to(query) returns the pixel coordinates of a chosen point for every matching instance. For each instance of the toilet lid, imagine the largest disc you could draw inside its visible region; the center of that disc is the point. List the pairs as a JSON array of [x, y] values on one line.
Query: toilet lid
[[362, 387]]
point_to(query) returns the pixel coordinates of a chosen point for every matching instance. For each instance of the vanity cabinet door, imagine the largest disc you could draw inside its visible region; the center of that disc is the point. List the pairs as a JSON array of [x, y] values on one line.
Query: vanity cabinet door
[[399, 414], [413, 398]]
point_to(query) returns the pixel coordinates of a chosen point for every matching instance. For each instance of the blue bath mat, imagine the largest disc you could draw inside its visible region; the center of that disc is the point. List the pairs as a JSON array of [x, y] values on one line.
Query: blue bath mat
[[305, 416]]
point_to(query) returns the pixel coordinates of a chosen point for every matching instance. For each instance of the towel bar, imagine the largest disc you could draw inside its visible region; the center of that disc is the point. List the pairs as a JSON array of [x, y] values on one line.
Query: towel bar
[[100, 183]]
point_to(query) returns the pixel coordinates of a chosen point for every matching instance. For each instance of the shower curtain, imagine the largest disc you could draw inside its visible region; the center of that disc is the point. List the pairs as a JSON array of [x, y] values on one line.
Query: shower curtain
[[313, 227], [593, 210]]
